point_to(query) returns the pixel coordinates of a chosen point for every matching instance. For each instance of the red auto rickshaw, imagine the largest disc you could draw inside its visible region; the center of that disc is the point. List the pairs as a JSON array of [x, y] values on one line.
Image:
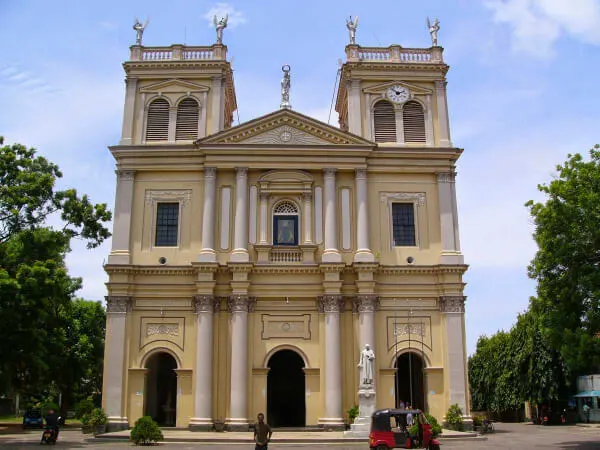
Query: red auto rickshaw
[[391, 428]]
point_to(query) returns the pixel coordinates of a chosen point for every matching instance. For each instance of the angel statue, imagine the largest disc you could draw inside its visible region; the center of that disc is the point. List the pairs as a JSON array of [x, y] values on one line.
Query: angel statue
[[285, 87], [139, 30], [352, 26], [433, 30], [220, 25]]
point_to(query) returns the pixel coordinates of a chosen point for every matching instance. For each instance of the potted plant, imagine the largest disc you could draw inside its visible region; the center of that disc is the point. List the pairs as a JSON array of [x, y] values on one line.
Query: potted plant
[[97, 421], [352, 415]]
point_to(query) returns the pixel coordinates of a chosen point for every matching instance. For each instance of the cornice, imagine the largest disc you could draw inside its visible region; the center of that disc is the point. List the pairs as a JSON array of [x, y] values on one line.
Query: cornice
[[299, 269], [151, 270], [423, 270]]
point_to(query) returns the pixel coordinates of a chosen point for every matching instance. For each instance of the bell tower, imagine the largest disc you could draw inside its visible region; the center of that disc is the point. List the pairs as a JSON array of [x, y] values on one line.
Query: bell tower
[[395, 96]]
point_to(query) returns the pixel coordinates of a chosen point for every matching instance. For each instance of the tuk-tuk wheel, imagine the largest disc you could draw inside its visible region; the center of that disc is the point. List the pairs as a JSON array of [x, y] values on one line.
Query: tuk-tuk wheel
[[382, 447], [434, 447]]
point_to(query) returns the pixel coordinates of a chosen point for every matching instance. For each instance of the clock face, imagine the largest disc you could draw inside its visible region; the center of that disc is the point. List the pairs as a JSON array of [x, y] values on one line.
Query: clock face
[[397, 94]]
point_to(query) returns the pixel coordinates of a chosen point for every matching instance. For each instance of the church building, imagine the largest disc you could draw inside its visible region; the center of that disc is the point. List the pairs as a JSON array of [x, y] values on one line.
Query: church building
[[252, 263]]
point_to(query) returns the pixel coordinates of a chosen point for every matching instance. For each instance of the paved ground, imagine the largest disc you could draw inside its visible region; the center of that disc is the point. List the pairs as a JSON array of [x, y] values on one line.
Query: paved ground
[[507, 436]]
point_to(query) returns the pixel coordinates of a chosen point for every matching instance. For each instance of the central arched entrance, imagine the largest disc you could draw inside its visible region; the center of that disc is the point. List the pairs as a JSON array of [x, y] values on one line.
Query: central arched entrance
[[161, 389], [286, 401], [410, 380]]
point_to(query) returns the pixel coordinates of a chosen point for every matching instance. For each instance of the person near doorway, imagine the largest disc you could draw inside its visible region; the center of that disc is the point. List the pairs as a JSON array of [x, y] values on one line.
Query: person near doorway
[[262, 433], [586, 411], [401, 404]]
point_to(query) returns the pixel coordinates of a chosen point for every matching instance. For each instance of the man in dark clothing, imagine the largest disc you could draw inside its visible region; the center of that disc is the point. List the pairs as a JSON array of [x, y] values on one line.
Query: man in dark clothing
[[262, 433], [52, 420]]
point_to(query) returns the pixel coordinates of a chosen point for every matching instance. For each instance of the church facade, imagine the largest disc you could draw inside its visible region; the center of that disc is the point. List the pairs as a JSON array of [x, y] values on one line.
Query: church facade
[[251, 264]]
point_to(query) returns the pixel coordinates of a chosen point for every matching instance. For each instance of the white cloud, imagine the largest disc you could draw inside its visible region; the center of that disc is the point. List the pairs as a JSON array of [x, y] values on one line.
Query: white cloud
[[235, 17], [538, 24]]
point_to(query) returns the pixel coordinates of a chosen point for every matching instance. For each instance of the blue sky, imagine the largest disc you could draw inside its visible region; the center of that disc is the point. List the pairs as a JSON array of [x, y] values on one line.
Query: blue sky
[[523, 93]]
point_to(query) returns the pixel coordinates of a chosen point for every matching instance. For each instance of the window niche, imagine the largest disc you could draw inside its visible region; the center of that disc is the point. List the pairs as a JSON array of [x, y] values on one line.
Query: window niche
[[165, 219]]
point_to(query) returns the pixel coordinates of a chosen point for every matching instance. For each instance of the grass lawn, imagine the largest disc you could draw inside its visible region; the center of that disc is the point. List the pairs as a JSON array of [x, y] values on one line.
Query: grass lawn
[[11, 419]]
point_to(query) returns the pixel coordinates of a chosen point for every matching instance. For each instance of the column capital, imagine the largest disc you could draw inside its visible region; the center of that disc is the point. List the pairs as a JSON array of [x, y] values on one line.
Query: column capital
[[241, 171], [329, 172], [360, 174], [125, 175], [210, 172], [365, 303], [307, 196], [446, 177], [240, 303], [440, 85], [118, 304], [331, 303], [452, 304], [205, 303]]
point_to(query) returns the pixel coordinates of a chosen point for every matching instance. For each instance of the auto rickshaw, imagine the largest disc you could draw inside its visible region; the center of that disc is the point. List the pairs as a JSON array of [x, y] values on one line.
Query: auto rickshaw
[[390, 428]]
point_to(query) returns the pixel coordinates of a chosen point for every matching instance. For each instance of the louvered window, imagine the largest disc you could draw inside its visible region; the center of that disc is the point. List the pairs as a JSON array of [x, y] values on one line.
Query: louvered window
[[385, 122], [157, 125], [187, 120], [414, 122]]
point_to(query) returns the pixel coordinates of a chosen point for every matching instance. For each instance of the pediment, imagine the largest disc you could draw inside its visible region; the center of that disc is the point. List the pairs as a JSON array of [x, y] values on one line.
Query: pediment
[[380, 88], [175, 86], [285, 127]]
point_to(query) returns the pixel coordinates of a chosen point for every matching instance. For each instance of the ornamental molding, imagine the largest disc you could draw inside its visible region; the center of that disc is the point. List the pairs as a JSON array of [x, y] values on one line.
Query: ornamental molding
[[331, 303], [299, 269], [183, 195], [125, 175], [365, 303], [423, 270], [416, 197], [118, 304], [210, 172], [150, 270], [241, 172], [410, 329], [452, 304], [241, 303], [329, 172], [446, 177], [205, 303], [165, 329]]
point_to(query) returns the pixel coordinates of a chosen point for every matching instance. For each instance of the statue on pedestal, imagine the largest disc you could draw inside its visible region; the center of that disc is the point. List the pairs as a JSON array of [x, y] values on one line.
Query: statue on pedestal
[[285, 87], [366, 364], [433, 31], [220, 25], [139, 30], [352, 25]]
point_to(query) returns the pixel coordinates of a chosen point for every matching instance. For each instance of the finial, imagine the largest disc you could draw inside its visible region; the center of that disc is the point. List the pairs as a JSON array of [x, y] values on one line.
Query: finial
[[352, 25], [139, 30], [220, 25], [433, 31], [285, 87]]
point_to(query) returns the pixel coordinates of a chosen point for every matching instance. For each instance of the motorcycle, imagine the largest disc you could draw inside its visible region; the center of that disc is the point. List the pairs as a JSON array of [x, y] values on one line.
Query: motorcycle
[[50, 434]]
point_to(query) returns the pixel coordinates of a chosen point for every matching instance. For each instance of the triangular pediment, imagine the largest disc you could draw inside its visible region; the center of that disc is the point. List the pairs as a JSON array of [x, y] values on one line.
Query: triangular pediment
[[285, 127], [174, 85], [381, 88]]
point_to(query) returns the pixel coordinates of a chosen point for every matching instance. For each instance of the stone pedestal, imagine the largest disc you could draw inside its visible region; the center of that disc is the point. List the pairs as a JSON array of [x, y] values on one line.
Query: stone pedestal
[[366, 407]]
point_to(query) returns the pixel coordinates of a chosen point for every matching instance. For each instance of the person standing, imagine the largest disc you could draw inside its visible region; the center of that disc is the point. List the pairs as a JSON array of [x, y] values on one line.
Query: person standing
[[586, 411], [262, 433]]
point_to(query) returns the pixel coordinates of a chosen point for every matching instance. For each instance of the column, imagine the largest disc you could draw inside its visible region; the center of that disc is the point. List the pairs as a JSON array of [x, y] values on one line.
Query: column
[[453, 313], [366, 306], [239, 305], [363, 252], [331, 253], [119, 253], [354, 108], [442, 110], [208, 254], [240, 240], [128, 113], [307, 214], [450, 252], [114, 362], [204, 309], [332, 305], [264, 198], [216, 100]]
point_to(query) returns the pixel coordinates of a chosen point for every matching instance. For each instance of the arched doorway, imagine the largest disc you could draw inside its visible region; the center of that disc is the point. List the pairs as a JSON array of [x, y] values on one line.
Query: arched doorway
[[286, 402], [410, 380], [161, 389]]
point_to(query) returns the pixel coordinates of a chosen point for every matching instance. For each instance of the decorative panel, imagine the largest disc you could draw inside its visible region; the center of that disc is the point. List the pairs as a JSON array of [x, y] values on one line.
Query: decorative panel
[[415, 331], [155, 329], [295, 326]]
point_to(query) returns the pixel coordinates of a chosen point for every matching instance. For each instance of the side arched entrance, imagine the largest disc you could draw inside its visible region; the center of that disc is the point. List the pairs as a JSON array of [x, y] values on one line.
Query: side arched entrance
[[161, 389], [286, 400], [410, 380]]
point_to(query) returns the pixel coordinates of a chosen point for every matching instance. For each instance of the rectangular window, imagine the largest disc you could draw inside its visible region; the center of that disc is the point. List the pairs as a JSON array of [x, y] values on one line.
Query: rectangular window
[[285, 230], [403, 223], [167, 224]]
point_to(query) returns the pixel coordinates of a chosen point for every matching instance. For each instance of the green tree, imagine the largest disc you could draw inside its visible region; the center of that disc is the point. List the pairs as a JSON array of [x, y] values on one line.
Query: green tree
[[567, 263]]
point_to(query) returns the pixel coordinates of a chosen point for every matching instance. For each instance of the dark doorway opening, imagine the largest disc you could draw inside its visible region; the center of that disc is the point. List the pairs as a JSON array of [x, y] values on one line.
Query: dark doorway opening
[[410, 382], [161, 389], [286, 402]]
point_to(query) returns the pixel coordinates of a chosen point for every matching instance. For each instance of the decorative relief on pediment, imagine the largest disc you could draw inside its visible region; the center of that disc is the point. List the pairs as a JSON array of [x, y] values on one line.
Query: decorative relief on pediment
[[167, 329], [297, 326], [285, 135]]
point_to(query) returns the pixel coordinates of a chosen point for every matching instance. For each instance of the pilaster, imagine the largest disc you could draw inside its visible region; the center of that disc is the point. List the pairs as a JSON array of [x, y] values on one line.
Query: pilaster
[[448, 221], [129, 111], [442, 109], [240, 242], [208, 254], [121, 239]]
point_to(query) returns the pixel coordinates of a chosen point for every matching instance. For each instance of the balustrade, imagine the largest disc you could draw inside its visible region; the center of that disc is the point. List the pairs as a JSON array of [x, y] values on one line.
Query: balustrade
[[394, 53], [179, 52], [285, 255]]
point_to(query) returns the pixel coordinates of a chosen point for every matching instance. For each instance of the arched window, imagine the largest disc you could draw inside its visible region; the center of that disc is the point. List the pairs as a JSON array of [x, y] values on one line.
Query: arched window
[[414, 122], [157, 125], [384, 118], [187, 120], [285, 223]]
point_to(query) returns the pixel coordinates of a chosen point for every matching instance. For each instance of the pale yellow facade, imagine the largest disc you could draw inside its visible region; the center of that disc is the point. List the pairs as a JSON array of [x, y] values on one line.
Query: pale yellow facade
[[224, 299]]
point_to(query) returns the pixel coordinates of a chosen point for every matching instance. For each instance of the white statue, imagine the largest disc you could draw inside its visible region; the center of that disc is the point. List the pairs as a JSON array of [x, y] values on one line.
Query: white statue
[[366, 364], [285, 87], [352, 26], [433, 30], [220, 25], [139, 30]]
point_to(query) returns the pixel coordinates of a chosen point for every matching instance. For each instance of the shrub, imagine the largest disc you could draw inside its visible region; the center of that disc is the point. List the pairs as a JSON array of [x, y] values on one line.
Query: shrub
[[146, 432], [454, 418], [436, 428], [97, 417], [84, 408], [353, 413], [477, 421]]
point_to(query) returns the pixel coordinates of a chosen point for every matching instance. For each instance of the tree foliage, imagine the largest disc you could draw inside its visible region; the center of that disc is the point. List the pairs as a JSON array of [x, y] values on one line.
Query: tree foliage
[[567, 263]]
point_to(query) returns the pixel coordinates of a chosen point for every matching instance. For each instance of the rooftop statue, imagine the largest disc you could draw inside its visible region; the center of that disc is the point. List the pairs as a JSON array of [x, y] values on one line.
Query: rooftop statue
[[433, 30], [220, 25], [139, 30], [285, 87], [352, 26]]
